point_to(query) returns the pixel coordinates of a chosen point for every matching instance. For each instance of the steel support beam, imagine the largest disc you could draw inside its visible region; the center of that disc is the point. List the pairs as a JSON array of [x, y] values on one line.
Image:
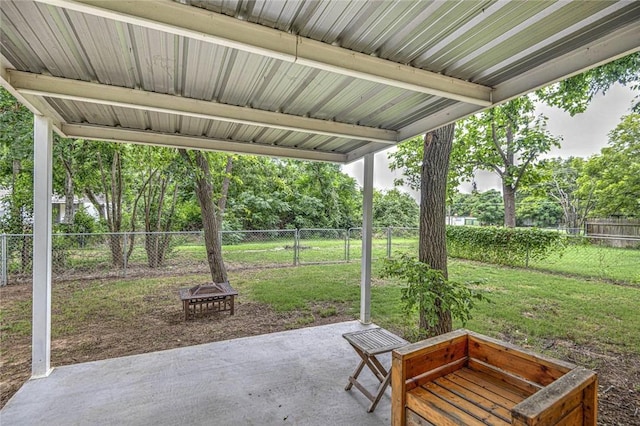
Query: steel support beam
[[42, 191], [200, 24], [367, 230], [103, 133], [62, 88], [619, 43]]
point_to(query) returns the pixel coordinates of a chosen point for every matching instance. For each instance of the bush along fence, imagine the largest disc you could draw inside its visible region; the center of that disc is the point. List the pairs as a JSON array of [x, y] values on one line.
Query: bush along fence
[[508, 246], [113, 255]]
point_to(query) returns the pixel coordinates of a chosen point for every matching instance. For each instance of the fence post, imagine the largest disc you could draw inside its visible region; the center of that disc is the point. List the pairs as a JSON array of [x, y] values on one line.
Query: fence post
[[349, 244], [346, 256], [124, 254], [3, 260], [296, 248], [389, 232]]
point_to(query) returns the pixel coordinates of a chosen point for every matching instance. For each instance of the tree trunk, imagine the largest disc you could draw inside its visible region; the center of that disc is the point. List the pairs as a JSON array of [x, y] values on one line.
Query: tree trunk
[[100, 208], [112, 189], [212, 236], [433, 183], [509, 198], [69, 210], [222, 202]]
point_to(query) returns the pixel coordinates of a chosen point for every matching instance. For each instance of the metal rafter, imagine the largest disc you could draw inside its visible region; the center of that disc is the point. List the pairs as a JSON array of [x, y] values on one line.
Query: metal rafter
[[200, 24], [62, 88], [619, 43], [104, 133]]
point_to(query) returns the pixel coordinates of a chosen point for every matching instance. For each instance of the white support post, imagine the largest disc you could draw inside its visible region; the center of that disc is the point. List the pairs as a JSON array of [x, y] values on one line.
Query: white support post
[[42, 190], [367, 228]]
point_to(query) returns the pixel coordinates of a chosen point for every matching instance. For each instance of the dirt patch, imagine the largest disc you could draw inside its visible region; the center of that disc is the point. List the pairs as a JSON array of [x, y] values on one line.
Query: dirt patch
[[154, 322], [159, 326]]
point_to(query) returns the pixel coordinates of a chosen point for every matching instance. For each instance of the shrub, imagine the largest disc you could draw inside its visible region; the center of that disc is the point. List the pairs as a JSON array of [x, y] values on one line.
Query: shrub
[[508, 246], [430, 295]]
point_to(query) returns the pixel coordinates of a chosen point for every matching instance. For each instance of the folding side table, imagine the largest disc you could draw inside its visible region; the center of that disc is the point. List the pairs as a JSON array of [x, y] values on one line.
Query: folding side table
[[367, 344]]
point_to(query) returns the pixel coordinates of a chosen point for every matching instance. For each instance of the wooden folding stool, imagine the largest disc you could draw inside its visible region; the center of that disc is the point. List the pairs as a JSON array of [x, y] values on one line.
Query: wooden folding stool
[[367, 344]]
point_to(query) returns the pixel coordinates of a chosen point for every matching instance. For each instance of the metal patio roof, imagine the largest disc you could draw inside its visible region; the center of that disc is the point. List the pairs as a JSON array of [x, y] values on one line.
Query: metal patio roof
[[313, 79]]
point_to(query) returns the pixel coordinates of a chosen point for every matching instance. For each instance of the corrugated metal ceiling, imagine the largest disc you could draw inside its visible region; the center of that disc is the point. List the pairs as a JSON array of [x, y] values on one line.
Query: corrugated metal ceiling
[[485, 42]]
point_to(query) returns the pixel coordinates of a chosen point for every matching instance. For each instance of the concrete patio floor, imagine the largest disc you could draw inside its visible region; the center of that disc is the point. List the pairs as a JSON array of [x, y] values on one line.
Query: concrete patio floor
[[293, 377]]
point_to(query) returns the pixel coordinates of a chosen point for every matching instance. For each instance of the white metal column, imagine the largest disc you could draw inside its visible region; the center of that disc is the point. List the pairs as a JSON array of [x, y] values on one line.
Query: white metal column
[[367, 219], [42, 190]]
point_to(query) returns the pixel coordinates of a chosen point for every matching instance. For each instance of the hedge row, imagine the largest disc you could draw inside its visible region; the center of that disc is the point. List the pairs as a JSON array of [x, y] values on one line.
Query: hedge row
[[507, 246]]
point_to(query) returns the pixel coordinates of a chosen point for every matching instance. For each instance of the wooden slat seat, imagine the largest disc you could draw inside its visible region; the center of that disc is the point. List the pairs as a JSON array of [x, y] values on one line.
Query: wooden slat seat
[[465, 395], [463, 378]]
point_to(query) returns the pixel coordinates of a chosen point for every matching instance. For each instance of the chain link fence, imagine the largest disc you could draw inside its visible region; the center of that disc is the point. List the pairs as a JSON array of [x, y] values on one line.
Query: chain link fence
[[108, 255], [595, 257]]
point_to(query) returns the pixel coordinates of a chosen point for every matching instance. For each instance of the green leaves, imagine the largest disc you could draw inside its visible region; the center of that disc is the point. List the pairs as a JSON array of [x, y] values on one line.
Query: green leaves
[[507, 246], [486, 206], [615, 173], [506, 140], [428, 292], [574, 94], [394, 208]]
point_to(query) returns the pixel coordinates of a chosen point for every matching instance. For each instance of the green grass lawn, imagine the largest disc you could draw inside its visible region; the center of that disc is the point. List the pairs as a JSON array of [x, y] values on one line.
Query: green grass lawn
[[590, 261], [595, 261], [528, 306], [549, 313]]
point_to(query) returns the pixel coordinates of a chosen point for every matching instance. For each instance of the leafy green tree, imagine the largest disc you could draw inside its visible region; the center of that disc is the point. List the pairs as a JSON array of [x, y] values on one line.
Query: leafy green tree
[[486, 206], [16, 165], [16, 173], [615, 172], [574, 94], [260, 194], [66, 153], [534, 210], [394, 208], [559, 191], [461, 204], [408, 158], [508, 141], [162, 172], [337, 193]]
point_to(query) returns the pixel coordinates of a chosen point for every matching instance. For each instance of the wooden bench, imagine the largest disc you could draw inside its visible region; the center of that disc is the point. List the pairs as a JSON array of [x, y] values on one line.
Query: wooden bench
[[463, 378]]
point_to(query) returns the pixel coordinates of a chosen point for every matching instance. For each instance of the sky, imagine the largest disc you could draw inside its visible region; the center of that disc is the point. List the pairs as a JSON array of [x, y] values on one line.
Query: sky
[[582, 136]]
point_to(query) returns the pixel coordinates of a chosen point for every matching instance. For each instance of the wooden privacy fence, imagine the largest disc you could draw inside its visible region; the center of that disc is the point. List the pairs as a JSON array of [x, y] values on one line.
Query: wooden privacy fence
[[614, 232]]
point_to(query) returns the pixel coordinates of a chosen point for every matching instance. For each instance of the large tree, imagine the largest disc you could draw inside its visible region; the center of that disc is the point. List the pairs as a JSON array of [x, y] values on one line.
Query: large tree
[[559, 185], [212, 204], [395, 208], [615, 172], [507, 140], [432, 248]]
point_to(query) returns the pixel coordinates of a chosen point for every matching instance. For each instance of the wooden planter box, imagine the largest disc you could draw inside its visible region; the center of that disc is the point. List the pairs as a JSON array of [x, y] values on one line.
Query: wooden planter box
[[206, 298], [463, 378]]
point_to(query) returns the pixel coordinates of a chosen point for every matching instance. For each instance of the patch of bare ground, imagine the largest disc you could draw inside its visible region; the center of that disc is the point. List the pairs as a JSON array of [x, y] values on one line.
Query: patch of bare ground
[[154, 321], [155, 327]]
